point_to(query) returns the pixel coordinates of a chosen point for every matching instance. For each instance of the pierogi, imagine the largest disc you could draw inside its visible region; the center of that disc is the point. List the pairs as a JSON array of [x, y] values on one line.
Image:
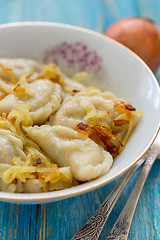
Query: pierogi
[[11, 69], [43, 96], [56, 132], [85, 106], [66, 147], [10, 146], [91, 105]]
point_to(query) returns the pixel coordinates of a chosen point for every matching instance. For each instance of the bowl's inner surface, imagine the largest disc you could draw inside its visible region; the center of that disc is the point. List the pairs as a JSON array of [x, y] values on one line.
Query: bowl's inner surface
[[119, 71]]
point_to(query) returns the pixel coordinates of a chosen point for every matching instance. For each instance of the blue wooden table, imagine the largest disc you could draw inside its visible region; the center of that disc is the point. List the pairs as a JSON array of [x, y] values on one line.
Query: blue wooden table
[[60, 220]]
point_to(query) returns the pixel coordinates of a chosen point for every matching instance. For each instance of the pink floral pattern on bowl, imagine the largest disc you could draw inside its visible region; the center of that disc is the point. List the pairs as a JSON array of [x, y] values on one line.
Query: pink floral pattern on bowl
[[75, 55]]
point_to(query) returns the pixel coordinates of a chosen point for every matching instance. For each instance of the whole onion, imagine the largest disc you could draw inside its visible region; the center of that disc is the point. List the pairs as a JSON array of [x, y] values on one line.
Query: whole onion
[[141, 35]]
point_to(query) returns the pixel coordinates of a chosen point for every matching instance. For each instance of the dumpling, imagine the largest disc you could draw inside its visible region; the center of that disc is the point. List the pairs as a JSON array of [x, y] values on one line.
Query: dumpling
[[33, 186], [91, 106], [84, 107], [44, 98], [66, 147], [11, 69], [10, 146]]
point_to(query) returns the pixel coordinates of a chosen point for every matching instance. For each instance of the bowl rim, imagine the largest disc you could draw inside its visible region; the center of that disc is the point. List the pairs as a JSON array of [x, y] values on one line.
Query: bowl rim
[[34, 198]]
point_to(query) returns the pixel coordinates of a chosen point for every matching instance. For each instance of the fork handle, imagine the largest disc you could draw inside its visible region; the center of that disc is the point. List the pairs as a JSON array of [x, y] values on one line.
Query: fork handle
[[92, 229], [121, 228]]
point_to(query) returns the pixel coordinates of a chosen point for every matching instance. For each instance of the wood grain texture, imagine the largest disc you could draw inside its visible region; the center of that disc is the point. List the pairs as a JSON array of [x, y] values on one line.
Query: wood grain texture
[[61, 220]]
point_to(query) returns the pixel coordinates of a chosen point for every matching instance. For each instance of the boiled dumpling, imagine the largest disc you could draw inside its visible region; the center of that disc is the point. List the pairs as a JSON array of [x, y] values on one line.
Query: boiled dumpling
[[84, 107], [33, 186], [44, 98], [10, 146], [66, 147], [11, 69]]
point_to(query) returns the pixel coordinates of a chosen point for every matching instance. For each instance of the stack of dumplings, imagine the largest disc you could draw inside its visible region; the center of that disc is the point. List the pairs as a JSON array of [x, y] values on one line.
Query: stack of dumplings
[[55, 132]]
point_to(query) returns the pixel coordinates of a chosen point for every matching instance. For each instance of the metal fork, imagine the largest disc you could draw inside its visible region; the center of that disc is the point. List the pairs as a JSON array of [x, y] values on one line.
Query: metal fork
[[93, 227]]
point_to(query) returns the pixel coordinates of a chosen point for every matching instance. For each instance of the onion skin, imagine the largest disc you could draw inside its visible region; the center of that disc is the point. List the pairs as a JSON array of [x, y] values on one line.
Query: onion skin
[[141, 35]]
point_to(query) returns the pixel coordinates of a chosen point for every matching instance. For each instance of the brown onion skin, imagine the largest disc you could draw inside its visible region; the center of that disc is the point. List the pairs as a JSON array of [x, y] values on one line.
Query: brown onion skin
[[141, 35]]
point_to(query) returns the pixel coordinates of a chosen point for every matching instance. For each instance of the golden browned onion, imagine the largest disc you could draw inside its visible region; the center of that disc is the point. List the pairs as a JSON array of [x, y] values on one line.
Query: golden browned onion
[[141, 35], [102, 136]]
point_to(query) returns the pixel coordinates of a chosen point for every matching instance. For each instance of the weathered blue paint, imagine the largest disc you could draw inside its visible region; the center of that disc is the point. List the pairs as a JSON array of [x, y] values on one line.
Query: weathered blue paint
[[61, 220]]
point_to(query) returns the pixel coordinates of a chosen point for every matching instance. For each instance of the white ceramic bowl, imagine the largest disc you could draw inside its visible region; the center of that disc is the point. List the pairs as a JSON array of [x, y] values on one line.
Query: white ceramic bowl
[[112, 67]]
